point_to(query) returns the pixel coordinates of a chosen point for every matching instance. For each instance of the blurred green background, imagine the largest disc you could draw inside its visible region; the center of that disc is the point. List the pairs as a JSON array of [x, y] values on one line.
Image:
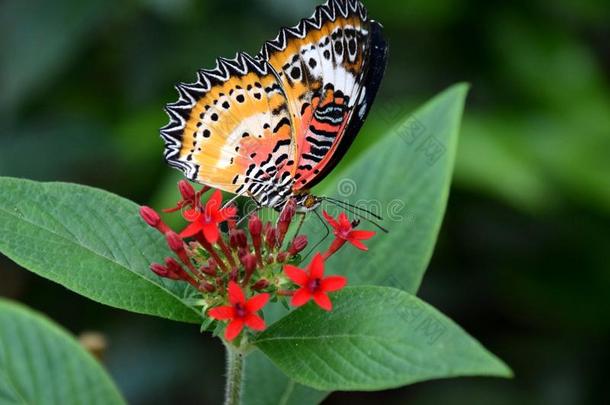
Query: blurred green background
[[523, 261]]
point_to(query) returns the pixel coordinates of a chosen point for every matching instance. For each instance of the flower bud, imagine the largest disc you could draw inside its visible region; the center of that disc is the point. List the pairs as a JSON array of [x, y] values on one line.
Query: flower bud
[[298, 244], [271, 238], [175, 270], [238, 239], [249, 263], [175, 242], [281, 257], [152, 218], [212, 264], [255, 225], [288, 212], [285, 219], [260, 285], [207, 287], [208, 270], [159, 270], [186, 190]]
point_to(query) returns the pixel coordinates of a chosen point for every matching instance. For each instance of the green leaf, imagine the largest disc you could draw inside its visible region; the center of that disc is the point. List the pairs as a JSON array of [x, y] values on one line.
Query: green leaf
[[375, 338], [91, 242], [266, 384], [40, 363], [404, 177], [399, 155]]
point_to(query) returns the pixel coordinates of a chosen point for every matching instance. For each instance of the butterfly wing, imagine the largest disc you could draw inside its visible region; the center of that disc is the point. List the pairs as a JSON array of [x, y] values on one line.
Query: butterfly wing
[[330, 66], [374, 71], [232, 130]]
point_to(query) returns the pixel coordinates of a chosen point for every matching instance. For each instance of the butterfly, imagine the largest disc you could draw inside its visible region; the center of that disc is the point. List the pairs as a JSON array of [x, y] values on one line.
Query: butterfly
[[272, 126]]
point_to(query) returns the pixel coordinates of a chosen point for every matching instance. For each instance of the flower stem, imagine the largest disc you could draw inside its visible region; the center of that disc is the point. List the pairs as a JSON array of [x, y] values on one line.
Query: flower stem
[[235, 370]]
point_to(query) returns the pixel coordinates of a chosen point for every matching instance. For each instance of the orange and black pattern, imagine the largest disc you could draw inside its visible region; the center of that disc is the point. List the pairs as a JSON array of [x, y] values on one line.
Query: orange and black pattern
[[272, 126]]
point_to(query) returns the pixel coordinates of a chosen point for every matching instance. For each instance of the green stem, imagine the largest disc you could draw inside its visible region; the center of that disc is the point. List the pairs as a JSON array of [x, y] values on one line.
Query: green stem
[[235, 369]]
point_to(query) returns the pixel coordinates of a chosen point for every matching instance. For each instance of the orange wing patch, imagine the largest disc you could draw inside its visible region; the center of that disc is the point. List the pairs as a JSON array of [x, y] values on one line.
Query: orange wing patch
[[233, 120]]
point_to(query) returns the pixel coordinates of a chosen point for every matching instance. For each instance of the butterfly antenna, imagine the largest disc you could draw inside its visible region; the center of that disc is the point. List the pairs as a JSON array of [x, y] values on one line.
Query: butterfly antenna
[[321, 240], [354, 207], [349, 209]]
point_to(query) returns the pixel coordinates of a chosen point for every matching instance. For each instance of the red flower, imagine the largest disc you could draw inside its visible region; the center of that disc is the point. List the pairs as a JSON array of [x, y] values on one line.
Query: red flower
[[241, 312], [344, 232], [208, 220], [313, 283]]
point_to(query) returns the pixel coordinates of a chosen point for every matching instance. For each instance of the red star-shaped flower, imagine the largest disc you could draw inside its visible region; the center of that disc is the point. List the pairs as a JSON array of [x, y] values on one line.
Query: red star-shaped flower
[[207, 221], [241, 312], [344, 231], [313, 283]]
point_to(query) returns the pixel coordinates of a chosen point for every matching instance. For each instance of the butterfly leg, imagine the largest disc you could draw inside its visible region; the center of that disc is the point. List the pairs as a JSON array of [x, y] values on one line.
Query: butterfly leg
[[326, 234], [302, 214]]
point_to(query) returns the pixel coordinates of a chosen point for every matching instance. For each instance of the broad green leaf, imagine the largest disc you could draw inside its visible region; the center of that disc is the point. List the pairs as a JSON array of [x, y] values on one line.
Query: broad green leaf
[[91, 242], [40, 363], [266, 384], [398, 155], [404, 177], [375, 338]]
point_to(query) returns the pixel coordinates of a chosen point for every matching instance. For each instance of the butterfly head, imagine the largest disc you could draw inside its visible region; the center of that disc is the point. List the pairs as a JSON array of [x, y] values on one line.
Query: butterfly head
[[307, 202]]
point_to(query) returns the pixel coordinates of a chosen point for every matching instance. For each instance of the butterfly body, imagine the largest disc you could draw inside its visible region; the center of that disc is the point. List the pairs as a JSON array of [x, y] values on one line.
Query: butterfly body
[[272, 126]]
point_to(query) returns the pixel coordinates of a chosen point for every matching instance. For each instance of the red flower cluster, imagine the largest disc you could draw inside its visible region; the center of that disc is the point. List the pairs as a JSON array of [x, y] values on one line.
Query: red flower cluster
[[228, 266]]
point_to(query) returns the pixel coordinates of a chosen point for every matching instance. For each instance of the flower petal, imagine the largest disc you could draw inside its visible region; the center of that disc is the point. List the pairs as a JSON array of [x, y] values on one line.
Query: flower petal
[[358, 244], [331, 221], [333, 283], [191, 230], [362, 235], [323, 301], [234, 329], [316, 267], [213, 205], [191, 214], [298, 276], [236, 295], [255, 322], [211, 233], [300, 297], [222, 313], [344, 221], [257, 302]]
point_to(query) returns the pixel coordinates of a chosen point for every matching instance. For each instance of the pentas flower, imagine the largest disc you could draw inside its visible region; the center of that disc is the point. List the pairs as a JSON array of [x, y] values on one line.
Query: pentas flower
[[223, 268], [207, 221], [313, 283], [241, 312], [344, 232]]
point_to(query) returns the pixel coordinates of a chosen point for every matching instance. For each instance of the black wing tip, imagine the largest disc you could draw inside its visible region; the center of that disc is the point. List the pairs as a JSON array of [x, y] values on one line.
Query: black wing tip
[[328, 11]]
